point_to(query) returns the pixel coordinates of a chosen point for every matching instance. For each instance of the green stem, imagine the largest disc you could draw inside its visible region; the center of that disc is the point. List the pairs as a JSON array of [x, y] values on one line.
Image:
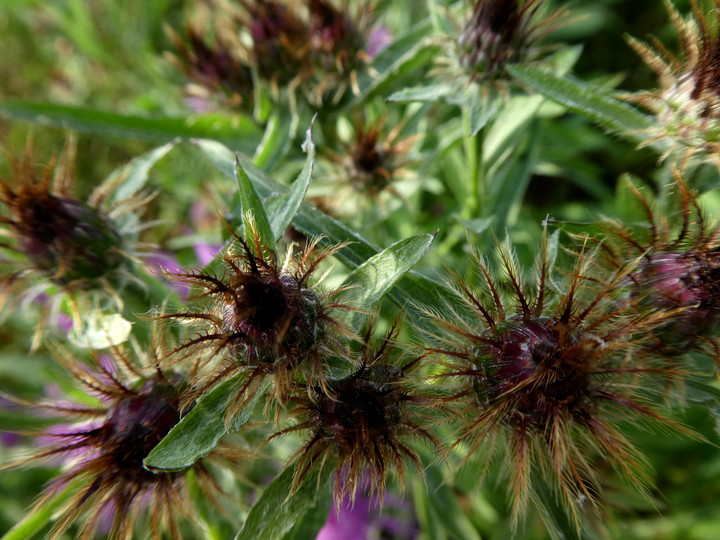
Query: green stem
[[477, 179]]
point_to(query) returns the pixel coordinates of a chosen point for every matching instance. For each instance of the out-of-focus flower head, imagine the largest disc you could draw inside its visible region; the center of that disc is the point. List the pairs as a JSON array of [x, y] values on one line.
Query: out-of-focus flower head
[[365, 422], [687, 104], [678, 271], [308, 47], [103, 447], [71, 245], [371, 164], [544, 373], [496, 34], [264, 317]]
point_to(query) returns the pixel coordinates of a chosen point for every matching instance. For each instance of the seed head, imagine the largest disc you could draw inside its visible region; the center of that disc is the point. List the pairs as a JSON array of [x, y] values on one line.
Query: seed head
[[311, 46], [74, 246], [366, 420], [543, 376], [370, 165], [69, 241]]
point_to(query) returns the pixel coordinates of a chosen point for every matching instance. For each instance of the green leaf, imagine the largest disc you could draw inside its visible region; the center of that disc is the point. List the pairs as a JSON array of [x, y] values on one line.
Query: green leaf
[[439, 510], [274, 514], [35, 520], [283, 214], [432, 92], [252, 204], [134, 175], [482, 107], [314, 223], [314, 520], [478, 225], [405, 54], [238, 132], [275, 142], [371, 280], [614, 115], [198, 433]]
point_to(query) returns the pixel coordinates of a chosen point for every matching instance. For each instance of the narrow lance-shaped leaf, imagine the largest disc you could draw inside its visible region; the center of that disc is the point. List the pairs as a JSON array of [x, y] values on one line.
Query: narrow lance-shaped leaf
[[371, 280], [275, 142], [36, 520], [607, 111], [275, 513], [312, 222], [252, 204], [238, 132], [134, 175], [200, 431], [283, 213]]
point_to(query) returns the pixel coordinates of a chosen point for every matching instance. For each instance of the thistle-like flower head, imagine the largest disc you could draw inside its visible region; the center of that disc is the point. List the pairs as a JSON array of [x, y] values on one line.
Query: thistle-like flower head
[[105, 447], [265, 318], [498, 33], [679, 271], [366, 421], [371, 165], [687, 104], [544, 375], [312, 46], [69, 241], [71, 245]]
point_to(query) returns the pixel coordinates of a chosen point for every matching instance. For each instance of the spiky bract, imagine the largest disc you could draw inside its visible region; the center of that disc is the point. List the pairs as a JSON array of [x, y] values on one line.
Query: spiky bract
[[544, 371], [687, 104], [365, 422], [264, 318], [678, 271], [104, 451]]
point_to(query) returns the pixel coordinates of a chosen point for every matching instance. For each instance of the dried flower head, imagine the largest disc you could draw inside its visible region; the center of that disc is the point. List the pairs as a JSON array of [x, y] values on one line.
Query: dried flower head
[[104, 451], [366, 420], [75, 246], [687, 104], [678, 272], [544, 376], [264, 318]]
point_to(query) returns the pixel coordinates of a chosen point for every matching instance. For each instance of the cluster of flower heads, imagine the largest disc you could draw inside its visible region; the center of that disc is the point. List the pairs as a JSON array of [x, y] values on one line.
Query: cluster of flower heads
[[545, 372], [312, 46]]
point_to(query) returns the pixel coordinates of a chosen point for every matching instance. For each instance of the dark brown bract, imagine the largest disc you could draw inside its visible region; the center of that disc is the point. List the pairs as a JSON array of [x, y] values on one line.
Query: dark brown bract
[[541, 377], [264, 318], [364, 423], [105, 449]]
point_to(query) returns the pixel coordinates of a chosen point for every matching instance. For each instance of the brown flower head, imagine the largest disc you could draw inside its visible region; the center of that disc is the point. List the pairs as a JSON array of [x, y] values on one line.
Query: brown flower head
[[542, 377], [105, 448], [310, 45], [365, 421], [501, 33], [75, 246], [371, 164], [264, 318], [679, 271], [687, 104]]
